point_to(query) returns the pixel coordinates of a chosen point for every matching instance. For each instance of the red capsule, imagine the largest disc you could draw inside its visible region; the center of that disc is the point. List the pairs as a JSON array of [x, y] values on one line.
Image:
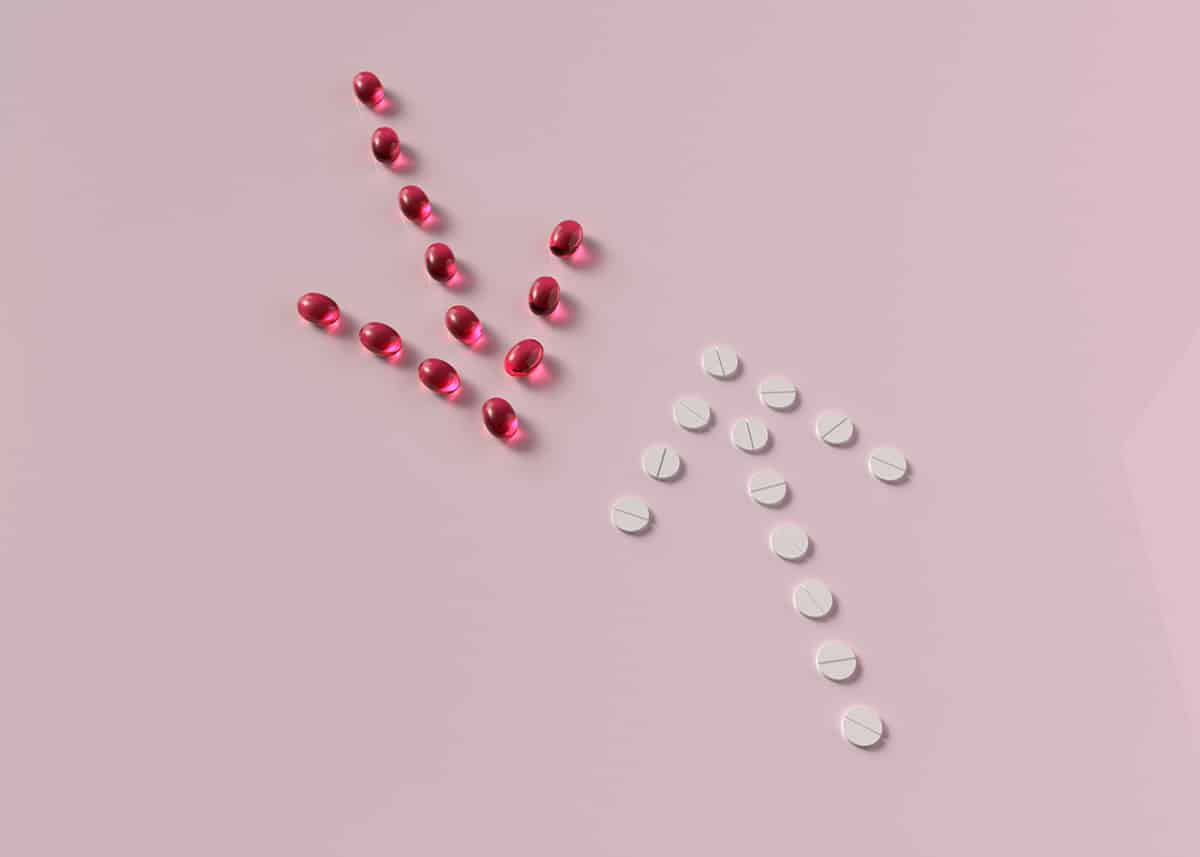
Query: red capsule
[[385, 143], [438, 375], [439, 262], [367, 88], [566, 238], [463, 324], [380, 338], [319, 309], [523, 357], [414, 203], [543, 296], [499, 417]]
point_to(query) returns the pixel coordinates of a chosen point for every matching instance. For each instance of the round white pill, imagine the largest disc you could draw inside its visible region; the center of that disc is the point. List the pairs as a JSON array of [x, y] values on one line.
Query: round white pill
[[861, 726], [720, 361], [789, 541], [749, 435], [630, 515], [691, 413], [836, 661], [778, 393], [767, 487], [834, 427], [887, 464], [812, 598], [661, 462]]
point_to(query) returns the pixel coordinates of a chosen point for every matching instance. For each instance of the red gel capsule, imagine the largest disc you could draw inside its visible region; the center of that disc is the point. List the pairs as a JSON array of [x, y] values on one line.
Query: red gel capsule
[[463, 324], [543, 296], [438, 375], [380, 338], [499, 417], [566, 238], [414, 204], [385, 144], [439, 262], [318, 308], [367, 88], [523, 357]]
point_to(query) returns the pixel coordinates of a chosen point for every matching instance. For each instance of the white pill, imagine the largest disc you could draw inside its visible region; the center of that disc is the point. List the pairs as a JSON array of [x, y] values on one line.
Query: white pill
[[630, 515], [749, 435], [691, 413], [836, 661], [861, 726], [778, 393], [835, 428], [887, 464], [812, 598], [720, 361], [789, 541], [767, 487], [660, 462]]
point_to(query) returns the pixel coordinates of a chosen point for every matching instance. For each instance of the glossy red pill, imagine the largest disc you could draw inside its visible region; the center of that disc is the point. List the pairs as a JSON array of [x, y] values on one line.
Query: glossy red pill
[[414, 203], [385, 144], [380, 338], [318, 308], [463, 324], [438, 375], [439, 262], [566, 238], [367, 88], [523, 357], [543, 295], [499, 417]]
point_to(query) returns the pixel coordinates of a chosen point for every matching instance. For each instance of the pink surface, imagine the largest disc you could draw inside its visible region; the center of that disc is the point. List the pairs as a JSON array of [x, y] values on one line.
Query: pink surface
[[264, 594]]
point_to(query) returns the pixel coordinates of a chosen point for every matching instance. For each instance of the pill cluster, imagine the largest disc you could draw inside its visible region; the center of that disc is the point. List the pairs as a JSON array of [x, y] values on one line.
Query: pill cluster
[[463, 324], [860, 725]]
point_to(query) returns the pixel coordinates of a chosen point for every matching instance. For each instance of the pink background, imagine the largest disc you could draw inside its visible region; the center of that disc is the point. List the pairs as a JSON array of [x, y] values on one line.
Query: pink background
[[263, 594]]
